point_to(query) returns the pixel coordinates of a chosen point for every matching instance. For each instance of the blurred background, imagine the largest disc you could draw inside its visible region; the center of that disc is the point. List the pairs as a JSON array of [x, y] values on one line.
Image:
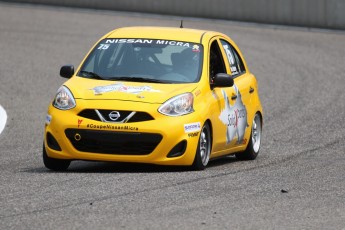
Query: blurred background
[[307, 13]]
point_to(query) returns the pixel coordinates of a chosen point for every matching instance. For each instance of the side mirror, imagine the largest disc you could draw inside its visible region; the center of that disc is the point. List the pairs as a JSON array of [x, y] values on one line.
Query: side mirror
[[222, 80], [67, 71]]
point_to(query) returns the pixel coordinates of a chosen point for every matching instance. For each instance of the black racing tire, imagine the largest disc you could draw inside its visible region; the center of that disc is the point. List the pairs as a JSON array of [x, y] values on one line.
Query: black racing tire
[[253, 146], [203, 152], [54, 164]]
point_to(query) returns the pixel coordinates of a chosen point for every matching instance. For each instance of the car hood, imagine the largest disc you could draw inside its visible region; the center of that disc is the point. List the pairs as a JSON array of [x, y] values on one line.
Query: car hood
[[91, 89]]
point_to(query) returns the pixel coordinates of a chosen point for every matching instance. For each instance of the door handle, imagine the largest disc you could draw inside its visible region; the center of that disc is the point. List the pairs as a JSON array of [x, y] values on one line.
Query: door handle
[[233, 97], [251, 90]]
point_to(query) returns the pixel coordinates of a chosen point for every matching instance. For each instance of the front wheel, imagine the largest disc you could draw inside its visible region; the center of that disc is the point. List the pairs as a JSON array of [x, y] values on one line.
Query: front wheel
[[203, 151], [253, 147], [54, 164]]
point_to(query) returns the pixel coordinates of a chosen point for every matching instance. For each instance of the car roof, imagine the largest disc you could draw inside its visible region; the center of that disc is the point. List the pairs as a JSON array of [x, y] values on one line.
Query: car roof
[[167, 33]]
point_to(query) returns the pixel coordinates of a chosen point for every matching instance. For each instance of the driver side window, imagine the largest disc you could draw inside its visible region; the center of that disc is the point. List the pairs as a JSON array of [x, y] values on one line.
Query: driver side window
[[216, 61]]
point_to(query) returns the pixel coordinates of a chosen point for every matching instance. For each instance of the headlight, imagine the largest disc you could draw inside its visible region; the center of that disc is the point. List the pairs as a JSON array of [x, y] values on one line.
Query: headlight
[[178, 105], [64, 99]]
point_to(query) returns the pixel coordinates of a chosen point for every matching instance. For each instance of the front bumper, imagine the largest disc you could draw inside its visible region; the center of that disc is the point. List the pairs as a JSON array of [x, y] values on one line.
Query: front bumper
[[153, 141]]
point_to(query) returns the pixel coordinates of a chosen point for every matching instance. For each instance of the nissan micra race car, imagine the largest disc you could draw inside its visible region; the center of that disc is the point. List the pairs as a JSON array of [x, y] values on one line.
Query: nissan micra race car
[[168, 96]]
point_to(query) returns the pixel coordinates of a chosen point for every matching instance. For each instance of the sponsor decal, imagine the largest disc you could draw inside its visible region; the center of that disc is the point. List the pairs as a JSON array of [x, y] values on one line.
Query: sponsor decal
[[48, 119], [244, 141], [231, 59], [234, 70], [144, 41], [193, 134], [196, 48], [192, 127], [197, 93], [112, 127], [79, 122], [235, 118], [229, 54], [120, 87], [124, 40]]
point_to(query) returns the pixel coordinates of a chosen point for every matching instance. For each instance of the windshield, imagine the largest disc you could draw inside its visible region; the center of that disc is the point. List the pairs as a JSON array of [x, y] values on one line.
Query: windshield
[[144, 60]]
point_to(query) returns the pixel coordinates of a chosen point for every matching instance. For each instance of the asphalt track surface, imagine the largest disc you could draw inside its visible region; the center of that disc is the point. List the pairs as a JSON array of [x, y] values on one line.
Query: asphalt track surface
[[297, 182]]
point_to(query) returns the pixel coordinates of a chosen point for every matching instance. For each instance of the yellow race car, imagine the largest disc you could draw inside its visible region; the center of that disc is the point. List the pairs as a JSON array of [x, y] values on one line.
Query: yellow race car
[[168, 96]]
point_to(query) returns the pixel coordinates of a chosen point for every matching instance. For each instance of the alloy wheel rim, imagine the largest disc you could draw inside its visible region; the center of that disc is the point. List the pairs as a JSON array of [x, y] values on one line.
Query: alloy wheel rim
[[256, 133], [204, 146]]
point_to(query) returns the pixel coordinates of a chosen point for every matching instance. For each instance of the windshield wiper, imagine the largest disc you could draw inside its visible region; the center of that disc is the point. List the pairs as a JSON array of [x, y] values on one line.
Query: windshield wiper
[[90, 74], [137, 79]]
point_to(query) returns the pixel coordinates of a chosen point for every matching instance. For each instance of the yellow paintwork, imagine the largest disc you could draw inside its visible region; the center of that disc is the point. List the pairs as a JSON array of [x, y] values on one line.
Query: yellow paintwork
[[207, 105]]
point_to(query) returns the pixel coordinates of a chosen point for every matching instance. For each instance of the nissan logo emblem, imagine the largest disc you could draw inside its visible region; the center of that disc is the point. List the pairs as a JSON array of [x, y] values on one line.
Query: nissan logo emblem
[[114, 115]]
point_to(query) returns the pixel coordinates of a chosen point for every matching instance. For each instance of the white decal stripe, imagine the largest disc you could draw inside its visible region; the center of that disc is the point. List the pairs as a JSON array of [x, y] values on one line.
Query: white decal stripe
[[3, 119]]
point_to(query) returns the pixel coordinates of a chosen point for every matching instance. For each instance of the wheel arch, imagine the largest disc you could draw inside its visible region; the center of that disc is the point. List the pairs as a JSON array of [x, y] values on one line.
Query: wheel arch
[[208, 121], [261, 117]]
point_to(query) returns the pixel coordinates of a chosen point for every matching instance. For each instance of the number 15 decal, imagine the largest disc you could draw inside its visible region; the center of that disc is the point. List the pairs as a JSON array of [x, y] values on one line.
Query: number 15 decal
[[103, 46]]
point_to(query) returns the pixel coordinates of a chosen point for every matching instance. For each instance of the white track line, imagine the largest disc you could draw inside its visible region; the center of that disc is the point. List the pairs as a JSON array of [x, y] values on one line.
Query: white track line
[[3, 119]]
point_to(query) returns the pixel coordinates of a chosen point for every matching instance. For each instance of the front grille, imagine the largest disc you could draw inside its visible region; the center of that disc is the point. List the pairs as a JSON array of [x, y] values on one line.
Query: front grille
[[108, 142], [90, 114], [124, 116]]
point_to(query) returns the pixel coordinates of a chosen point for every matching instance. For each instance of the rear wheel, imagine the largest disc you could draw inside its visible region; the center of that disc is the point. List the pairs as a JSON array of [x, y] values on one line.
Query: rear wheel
[[253, 147], [54, 164], [203, 151]]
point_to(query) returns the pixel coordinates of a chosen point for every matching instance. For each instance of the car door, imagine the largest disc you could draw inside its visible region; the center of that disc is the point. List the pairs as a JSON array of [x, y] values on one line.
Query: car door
[[243, 87], [222, 113]]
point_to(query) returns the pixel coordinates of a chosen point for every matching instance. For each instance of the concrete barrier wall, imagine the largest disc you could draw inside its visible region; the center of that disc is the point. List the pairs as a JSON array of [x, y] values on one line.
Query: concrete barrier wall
[[308, 13]]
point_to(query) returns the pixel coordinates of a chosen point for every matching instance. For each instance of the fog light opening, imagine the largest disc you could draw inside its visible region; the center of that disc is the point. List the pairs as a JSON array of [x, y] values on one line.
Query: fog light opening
[[178, 150], [77, 137], [52, 142]]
